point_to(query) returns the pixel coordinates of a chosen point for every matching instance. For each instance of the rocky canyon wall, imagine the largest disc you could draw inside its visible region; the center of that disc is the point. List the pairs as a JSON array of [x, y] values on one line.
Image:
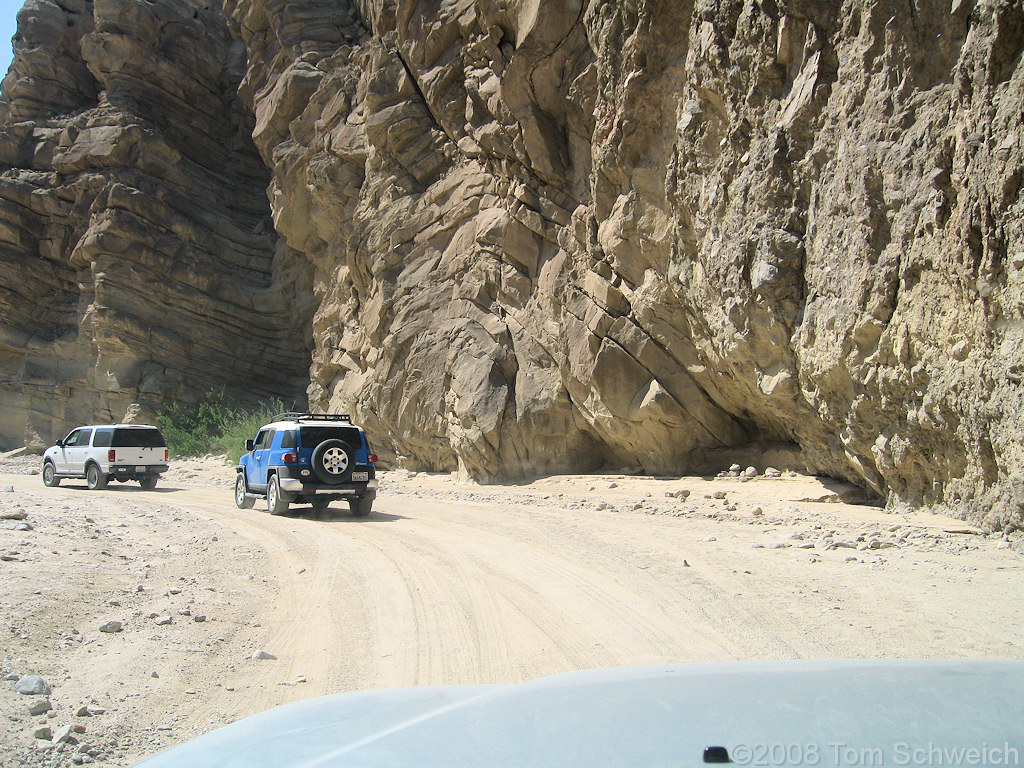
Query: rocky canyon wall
[[138, 261], [526, 237]]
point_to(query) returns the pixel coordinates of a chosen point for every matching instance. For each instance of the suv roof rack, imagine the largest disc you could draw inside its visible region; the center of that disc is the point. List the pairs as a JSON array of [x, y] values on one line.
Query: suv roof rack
[[314, 416]]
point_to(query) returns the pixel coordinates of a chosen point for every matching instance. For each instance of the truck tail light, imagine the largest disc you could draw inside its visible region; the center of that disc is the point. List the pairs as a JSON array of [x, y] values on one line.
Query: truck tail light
[[111, 455], [373, 458], [290, 458]]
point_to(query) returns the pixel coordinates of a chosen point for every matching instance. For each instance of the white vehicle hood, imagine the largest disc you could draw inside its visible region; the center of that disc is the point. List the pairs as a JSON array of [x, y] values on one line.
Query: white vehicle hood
[[808, 713]]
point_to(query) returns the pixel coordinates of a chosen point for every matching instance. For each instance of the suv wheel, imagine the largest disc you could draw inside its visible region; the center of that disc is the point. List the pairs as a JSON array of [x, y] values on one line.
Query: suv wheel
[[242, 500], [361, 506], [94, 479], [148, 483], [50, 479], [332, 461], [275, 504]]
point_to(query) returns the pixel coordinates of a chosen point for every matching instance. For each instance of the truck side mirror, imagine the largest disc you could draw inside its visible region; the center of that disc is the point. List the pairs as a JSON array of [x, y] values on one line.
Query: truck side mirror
[[248, 445]]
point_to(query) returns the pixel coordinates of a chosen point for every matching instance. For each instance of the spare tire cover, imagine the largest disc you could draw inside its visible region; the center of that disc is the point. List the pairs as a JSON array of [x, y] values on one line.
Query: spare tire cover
[[332, 461]]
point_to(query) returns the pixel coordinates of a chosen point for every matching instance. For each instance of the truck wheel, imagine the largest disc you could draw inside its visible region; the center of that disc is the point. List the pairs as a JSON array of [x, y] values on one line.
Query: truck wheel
[[242, 499], [332, 462], [50, 479], [148, 483], [361, 506], [275, 504], [94, 479]]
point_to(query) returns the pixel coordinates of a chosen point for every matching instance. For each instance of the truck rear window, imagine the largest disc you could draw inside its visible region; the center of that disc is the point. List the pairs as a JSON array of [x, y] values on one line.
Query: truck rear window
[[312, 436], [144, 438]]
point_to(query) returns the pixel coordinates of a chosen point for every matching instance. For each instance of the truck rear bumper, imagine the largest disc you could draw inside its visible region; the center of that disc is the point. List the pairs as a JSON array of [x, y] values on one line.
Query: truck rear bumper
[[294, 485]]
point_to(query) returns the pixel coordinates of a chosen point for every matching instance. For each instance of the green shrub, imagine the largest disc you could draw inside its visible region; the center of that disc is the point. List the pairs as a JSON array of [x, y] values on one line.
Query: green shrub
[[213, 425], [244, 426]]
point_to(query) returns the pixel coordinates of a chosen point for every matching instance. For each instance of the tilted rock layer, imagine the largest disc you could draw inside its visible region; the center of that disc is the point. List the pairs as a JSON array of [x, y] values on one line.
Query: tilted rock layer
[[551, 236]]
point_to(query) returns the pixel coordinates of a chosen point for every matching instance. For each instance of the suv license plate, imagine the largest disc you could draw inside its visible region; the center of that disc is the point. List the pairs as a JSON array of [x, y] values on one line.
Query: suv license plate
[[360, 477], [139, 468]]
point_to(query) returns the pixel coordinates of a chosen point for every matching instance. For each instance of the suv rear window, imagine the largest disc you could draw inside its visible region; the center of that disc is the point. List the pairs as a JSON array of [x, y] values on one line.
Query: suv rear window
[[313, 436], [143, 438]]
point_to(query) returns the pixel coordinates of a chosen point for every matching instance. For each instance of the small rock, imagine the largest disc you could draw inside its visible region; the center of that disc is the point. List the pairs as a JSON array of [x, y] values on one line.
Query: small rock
[[8, 489], [199, 618], [23, 526], [735, 468], [32, 685], [750, 472], [163, 620], [719, 494], [40, 707], [110, 626], [13, 514], [709, 538], [12, 677], [757, 511], [43, 733], [63, 734], [772, 472], [79, 728], [153, 674], [263, 655]]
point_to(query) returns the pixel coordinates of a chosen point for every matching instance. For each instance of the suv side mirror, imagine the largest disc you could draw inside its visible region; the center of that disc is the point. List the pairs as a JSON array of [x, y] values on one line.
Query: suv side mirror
[[248, 445], [59, 443]]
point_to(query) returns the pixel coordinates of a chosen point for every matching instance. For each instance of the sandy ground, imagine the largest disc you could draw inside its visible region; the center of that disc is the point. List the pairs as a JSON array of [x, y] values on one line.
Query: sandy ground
[[447, 583]]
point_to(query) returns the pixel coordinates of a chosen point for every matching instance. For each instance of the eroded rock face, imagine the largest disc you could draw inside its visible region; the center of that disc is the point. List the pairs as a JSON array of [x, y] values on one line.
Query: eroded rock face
[[555, 236], [138, 261]]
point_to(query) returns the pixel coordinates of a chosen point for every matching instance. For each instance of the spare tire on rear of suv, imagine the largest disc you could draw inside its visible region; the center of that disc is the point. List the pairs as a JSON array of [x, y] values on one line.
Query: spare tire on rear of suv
[[332, 461]]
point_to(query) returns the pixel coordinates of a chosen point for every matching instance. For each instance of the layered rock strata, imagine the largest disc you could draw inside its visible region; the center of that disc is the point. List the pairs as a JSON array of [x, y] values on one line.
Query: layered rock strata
[[138, 261], [561, 236]]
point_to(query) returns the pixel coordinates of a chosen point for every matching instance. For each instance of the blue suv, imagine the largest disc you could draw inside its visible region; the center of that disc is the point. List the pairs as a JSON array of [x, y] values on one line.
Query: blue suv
[[308, 459]]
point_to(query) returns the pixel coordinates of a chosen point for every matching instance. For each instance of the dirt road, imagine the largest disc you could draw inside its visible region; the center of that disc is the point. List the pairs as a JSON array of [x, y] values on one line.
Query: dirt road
[[448, 584]]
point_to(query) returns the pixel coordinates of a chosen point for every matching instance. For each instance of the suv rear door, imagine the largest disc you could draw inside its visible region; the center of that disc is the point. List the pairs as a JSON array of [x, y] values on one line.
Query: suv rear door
[[138, 447]]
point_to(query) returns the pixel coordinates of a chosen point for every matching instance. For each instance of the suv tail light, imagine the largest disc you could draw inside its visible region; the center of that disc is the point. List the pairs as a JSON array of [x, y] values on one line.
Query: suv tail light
[[290, 458], [110, 455], [167, 454], [373, 458]]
